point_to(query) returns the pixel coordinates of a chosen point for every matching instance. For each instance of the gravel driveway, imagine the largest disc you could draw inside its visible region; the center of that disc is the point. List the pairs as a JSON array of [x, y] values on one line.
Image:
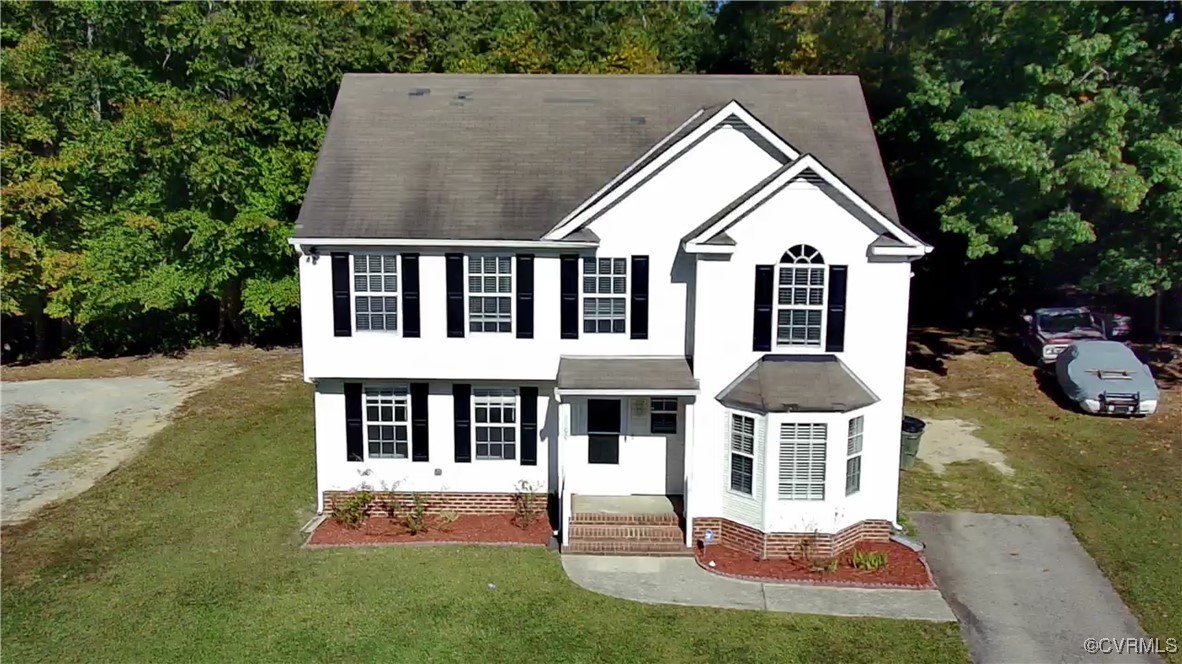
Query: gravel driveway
[[60, 436], [1024, 589]]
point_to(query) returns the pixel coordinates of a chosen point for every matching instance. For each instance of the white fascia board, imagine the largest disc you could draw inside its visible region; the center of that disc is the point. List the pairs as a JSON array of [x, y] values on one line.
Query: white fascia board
[[395, 242], [722, 224], [623, 174], [901, 251], [698, 248], [577, 392], [808, 162], [895, 229], [584, 212]]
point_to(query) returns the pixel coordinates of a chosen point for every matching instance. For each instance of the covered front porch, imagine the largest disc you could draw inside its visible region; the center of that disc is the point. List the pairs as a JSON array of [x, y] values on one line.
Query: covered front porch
[[623, 438]]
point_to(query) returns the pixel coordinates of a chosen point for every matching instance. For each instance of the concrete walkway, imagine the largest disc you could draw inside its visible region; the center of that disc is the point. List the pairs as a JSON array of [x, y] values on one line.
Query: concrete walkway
[[1025, 590], [657, 580]]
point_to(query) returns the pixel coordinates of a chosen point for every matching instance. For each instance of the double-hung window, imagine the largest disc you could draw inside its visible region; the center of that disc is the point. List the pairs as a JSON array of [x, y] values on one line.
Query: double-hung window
[[494, 419], [742, 453], [490, 293], [853, 462], [605, 295], [375, 292], [800, 297], [387, 417], [802, 461], [662, 415]]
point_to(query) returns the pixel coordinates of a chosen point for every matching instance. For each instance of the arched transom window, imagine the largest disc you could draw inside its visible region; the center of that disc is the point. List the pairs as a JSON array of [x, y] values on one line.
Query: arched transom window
[[800, 297]]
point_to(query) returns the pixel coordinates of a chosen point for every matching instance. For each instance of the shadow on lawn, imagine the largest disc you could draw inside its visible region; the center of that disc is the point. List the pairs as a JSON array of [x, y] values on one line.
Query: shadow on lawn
[[929, 347]]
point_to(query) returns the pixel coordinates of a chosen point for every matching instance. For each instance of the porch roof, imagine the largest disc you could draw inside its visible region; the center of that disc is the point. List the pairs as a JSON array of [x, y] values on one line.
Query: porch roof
[[625, 375], [798, 383]]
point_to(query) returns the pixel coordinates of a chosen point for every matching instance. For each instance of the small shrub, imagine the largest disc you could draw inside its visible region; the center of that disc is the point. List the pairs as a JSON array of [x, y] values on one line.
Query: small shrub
[[351, 511], [525, 504], [415, 519], [446, 518], [871, 561]]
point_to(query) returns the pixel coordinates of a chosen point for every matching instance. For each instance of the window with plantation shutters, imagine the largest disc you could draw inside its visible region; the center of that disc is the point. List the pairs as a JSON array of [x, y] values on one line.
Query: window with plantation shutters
[[375, 292], [802, 461]]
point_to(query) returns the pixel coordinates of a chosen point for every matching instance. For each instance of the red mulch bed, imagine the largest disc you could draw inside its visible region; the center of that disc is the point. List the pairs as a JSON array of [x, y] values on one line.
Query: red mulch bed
[[905, 568], [468, 529]]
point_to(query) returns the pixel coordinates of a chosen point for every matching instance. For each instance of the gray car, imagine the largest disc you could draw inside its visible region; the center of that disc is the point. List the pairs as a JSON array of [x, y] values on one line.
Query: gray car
[[1106, 378]]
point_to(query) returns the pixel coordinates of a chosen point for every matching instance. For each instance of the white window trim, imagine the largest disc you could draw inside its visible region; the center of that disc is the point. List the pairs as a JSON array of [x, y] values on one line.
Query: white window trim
[[626, 295], [516, 422], [824, 464], [822, 308], [851, 436], [731, 451], [353, 294], [400, 390], [512, 294]]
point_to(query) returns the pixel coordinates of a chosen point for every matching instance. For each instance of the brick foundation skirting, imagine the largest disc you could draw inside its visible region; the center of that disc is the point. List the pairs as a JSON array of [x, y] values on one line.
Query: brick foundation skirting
[[789, 545], [461, 503]]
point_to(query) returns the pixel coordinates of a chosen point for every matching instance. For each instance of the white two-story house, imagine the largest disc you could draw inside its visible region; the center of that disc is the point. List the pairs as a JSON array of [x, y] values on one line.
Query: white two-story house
[[693, 288]]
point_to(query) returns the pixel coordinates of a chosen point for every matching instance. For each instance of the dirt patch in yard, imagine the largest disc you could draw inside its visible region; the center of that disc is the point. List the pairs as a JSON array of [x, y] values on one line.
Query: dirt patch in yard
[[950, 441], [60, 435], [904, 568], [466, 529], [25, 423]]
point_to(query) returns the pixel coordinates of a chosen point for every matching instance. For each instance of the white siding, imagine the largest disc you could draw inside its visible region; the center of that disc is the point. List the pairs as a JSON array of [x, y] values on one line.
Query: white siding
[[736, 506], [333, 472], [643, 456]]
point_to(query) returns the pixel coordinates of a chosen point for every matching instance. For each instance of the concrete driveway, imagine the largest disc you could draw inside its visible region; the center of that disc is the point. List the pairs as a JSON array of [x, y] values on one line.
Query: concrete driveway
[[1024, 589]]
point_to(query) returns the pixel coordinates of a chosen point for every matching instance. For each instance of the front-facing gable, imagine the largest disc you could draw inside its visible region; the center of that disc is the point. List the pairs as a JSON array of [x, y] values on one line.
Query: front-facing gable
[[891, 239], [506, 157]]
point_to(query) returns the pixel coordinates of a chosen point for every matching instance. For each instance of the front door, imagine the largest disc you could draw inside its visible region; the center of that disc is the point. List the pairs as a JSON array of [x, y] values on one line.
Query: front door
[[603, 431]]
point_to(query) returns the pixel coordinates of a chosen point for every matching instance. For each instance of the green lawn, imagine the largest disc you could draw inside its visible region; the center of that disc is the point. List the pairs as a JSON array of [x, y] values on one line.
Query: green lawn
[[190, 554], [1118, 482]]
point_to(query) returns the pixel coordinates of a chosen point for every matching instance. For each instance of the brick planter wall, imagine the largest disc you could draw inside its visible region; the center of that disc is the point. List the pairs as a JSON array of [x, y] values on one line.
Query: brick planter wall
[[788, 545], [461, 503]]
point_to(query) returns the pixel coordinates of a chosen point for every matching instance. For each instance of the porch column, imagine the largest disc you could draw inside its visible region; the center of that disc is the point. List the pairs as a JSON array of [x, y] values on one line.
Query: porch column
[[564, 497], [688, 466]]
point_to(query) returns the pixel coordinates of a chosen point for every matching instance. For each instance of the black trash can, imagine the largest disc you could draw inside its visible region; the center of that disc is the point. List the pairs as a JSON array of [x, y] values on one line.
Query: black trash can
[[912, 431]]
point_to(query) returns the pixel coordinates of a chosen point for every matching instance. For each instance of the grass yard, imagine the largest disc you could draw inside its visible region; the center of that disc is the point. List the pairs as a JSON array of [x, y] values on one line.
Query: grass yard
[[1118, 482], [189, 553]]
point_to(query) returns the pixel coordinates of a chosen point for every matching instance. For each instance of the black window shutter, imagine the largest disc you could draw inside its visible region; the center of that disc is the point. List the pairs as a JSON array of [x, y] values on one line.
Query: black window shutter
[[342, 312], [354, 440], [420, 444], [640, 297], [525, 296], [455, 295], [410, 295], [761, 338], [462, 396], [529, 426], [835, 325], [569, 283]]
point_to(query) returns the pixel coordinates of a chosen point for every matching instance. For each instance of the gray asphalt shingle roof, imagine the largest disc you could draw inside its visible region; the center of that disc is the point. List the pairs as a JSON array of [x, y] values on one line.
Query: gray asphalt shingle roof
[[797, 384], [625, 373], [454, 156]]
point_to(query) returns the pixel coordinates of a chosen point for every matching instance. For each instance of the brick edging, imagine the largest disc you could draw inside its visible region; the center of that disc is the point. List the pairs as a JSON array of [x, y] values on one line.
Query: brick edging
[[378, 545], [821, 582]]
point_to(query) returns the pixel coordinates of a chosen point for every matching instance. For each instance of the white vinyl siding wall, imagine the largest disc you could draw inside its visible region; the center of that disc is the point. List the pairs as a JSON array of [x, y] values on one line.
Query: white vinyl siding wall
[[744, 509]]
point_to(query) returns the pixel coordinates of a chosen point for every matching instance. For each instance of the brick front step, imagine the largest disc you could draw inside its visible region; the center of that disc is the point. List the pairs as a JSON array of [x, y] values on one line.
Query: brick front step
[[631, 533], [627, 548], [597, 518]]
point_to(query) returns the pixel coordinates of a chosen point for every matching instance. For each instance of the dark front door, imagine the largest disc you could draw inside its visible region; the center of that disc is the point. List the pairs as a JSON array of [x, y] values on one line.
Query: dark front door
[[603, 431]]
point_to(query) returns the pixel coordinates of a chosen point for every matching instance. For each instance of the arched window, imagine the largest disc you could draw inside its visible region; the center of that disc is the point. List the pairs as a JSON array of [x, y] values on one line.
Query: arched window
[[800, 297]]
